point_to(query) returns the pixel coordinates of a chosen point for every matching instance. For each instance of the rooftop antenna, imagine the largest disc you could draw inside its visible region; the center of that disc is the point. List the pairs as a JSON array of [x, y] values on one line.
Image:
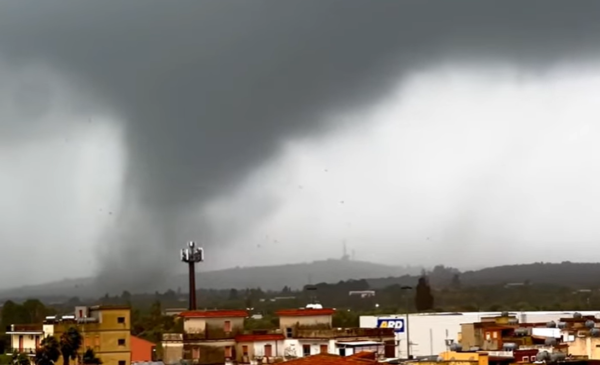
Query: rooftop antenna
[[191, 255]]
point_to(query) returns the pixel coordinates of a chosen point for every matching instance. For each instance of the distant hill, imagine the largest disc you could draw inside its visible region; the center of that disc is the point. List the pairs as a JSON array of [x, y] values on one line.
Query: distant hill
[[567, 274], [579, 275], [294, 276], [576, 275]]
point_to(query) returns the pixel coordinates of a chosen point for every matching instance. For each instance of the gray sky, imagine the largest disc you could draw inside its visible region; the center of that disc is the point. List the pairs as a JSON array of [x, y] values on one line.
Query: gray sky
[[273, 131]]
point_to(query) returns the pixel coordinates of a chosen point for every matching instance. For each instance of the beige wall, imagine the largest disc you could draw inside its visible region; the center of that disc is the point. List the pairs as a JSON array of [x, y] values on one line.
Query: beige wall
[[172, 348], [469, 336], [285, 322], [29, 342], [257, 348], [194, 325], [472, 358], [585, 346], [103, 337]]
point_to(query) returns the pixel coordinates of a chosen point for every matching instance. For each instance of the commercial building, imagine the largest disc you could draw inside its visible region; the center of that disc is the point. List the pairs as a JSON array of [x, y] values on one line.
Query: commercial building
[[434, 333]]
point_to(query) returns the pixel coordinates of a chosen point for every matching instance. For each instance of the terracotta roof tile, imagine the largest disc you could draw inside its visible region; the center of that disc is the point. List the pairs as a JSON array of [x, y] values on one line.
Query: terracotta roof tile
[[305, 312], [330, 359], [369, 355], [214, 314]]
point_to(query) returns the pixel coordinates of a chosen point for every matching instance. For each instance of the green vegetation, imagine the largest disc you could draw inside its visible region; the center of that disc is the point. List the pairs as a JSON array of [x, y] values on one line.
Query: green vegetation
[[20, 359], [69, 344], [90, 358], [441, 289], [49, 351]]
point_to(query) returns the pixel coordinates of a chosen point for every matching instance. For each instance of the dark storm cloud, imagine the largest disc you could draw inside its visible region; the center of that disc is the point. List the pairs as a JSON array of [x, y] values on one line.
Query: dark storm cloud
[[207, 90]]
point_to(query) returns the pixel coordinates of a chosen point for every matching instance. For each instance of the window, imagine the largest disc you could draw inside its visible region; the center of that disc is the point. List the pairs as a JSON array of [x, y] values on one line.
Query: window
[[227, 326], [289, 333], [228, 352], [525, 358], [324, 349], [121, 320], [495, 334], [97, 341], [121, 342], [122, 362], [195, 353], [305, 350], [268, 351], [245, 350]]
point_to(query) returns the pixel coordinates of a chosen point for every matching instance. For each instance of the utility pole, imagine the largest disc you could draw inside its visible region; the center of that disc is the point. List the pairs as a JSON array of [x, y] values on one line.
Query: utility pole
[[407, 289], [191, 255]]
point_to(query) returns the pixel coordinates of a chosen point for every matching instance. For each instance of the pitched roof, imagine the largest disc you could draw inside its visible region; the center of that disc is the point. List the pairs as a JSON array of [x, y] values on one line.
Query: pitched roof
[[305, 312], [259, 337], [330, 359], [214, 314]]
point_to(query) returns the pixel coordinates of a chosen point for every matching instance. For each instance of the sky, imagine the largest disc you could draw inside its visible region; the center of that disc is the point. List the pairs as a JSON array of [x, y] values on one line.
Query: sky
[[417, 133]]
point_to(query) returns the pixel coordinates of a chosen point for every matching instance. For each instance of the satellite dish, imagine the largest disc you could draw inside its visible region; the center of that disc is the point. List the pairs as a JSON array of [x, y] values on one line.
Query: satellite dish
[[550, 341], [542, 356], [456, 347]]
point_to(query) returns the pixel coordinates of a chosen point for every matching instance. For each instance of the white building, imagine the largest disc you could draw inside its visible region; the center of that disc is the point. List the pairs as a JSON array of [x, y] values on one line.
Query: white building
[[432, 333], [25, 338]]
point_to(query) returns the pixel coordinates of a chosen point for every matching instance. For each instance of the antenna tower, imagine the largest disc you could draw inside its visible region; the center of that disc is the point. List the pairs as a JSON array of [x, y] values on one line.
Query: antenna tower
[[191, 255]]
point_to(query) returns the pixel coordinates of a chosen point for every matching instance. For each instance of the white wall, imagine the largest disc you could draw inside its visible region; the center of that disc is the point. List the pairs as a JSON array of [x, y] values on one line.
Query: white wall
[[292, 345], [48, 330], [428, 331]]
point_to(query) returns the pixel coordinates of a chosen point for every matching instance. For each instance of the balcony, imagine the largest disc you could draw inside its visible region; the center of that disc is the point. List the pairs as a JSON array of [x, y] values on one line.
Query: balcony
[[172, 337], [26, 329], [368, 333], [28, 351]]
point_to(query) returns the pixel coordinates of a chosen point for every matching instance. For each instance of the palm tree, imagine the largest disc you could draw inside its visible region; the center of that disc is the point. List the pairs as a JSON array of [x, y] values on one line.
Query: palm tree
[[70, 343], [21, 358], [89, 358], [48, 352]]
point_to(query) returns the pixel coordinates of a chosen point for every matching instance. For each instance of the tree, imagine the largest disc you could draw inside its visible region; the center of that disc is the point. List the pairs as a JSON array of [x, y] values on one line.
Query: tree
[[48, 352], [70, 343], [21, 359], [455, 281], [233, 294], [423, 296], [90, 358]]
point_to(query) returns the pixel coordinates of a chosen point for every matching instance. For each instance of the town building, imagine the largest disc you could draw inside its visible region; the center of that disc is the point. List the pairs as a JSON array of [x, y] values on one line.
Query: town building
[[570, 338], [104, 329], [208, 337], [25, 338], [142, 351], [268, 347], [433, 333], [216, 337]]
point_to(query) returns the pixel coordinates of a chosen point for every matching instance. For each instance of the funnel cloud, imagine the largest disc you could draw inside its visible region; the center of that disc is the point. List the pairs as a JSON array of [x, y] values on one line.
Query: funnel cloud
[[206, 92]]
